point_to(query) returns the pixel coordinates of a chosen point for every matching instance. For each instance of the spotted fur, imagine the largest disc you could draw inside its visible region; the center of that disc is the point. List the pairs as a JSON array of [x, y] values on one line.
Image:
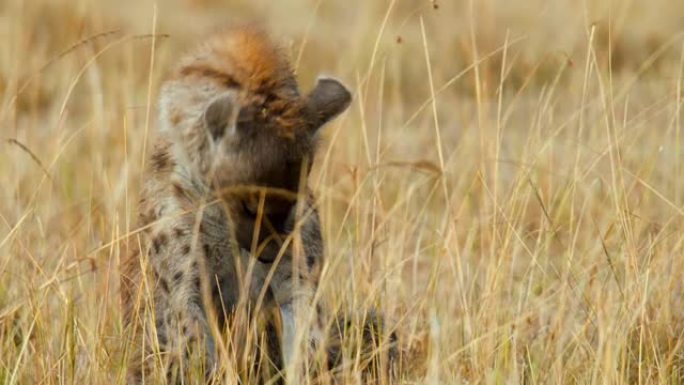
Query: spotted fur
[[226, 220]]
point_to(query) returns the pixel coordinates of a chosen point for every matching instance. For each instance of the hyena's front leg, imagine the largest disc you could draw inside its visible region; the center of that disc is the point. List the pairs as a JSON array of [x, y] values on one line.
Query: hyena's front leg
[[184, 337], [182, 332], [301, 336], [296, 283], [301, 321]]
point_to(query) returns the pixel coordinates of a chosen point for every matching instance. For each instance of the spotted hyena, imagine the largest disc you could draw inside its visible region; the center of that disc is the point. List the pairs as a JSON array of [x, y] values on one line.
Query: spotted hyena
[[226, 219]]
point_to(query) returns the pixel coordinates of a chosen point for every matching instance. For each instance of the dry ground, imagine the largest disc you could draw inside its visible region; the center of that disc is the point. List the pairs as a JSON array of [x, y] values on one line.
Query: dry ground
[[508, 185]]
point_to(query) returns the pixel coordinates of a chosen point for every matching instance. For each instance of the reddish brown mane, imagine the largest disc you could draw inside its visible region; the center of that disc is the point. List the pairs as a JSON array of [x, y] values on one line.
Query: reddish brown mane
[[247, 59], [244, 57]]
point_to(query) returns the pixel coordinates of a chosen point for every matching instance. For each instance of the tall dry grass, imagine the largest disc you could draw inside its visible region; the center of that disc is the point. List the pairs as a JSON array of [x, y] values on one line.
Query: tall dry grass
[[508, 185]]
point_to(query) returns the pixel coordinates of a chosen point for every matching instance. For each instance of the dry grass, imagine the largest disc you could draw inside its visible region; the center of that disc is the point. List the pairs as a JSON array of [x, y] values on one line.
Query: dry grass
[[508, 185]]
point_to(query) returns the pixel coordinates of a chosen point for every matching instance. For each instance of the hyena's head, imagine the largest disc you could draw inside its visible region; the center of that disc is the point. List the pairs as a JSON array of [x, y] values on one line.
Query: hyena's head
[[234, 110], [268, 140]]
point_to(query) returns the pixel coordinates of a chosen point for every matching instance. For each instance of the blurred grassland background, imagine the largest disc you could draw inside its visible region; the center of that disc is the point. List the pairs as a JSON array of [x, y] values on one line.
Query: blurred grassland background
[[507, 186]]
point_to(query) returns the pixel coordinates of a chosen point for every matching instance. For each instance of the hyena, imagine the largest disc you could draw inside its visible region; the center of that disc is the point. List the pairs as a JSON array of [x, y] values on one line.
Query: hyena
[[225, 214]]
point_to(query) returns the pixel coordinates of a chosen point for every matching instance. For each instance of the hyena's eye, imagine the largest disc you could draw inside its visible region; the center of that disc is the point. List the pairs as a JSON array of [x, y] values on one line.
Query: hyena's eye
[[249, 210]]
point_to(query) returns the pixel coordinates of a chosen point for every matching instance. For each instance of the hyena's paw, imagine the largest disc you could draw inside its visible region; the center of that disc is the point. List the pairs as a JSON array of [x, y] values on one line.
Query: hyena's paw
[[362, 342]]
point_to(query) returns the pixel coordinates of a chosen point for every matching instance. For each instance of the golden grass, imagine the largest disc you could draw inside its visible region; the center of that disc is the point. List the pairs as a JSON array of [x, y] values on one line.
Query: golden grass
[[508, 186]]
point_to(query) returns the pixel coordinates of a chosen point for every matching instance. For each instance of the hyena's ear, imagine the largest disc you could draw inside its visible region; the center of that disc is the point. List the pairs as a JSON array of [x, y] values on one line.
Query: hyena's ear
[[221, 115], [328, 99]]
